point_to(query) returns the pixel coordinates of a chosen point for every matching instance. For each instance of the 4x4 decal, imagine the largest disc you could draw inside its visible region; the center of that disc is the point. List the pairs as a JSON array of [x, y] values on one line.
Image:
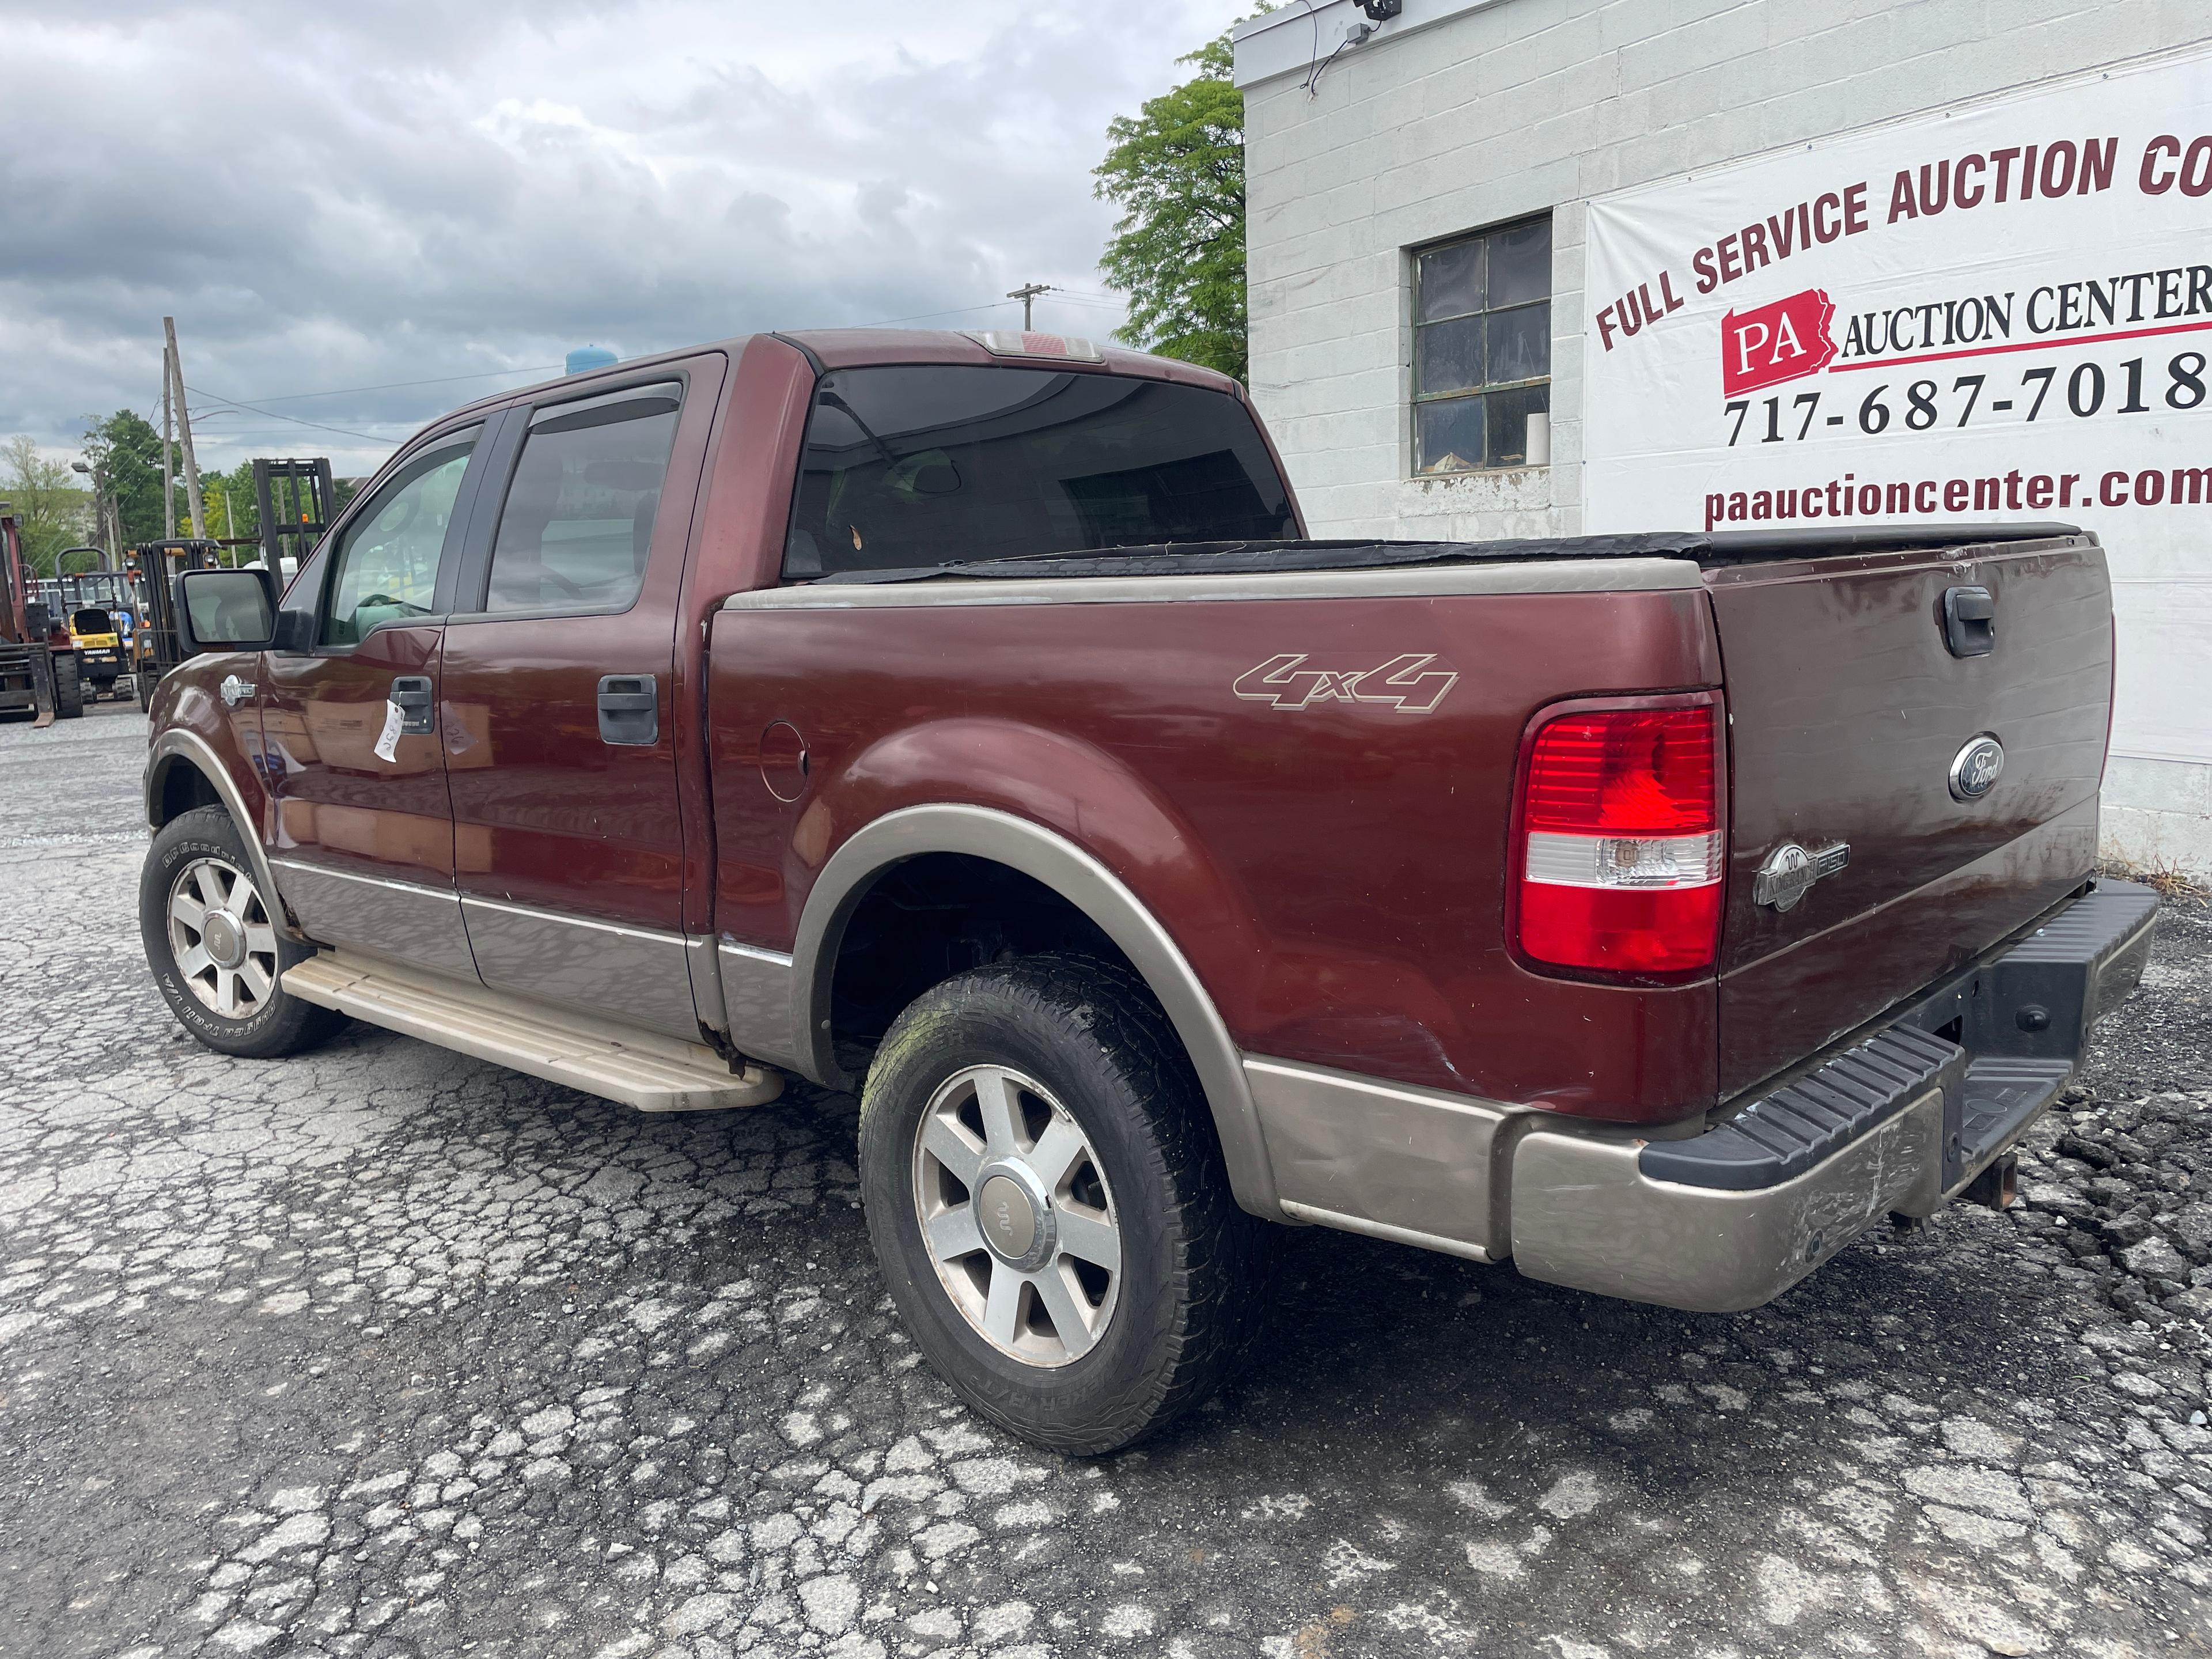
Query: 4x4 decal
[[1407, 683]]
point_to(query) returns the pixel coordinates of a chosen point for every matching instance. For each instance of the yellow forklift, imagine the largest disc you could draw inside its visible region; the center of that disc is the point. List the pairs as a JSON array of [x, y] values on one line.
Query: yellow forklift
[[102, 615]]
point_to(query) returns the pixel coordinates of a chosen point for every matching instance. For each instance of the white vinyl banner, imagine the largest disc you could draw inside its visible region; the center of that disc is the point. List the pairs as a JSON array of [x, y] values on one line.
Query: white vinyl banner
[[2003, 313]]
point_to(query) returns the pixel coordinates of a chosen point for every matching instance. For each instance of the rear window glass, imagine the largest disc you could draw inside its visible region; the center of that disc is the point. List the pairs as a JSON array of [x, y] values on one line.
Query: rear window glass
[[911, 467], [578, 522]]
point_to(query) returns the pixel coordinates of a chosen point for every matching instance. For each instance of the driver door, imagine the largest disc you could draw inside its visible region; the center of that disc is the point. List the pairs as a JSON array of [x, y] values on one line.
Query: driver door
[[362, 837]]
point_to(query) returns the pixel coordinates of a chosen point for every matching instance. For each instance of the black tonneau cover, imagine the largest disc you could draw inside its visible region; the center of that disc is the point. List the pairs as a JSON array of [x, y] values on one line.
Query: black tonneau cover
[[1271, 557]]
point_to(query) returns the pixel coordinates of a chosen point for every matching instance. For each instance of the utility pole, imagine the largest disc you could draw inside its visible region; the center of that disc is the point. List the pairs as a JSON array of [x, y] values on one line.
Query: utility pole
[[98, 484], [168, 429], [185, 430], [1027, 293]]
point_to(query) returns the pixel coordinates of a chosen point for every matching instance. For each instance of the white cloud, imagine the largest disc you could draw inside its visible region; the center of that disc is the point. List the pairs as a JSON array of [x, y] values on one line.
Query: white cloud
[[410, 190]]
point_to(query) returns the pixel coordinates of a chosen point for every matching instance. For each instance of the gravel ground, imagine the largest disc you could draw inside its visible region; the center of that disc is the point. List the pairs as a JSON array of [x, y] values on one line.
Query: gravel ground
[[382, 1351]]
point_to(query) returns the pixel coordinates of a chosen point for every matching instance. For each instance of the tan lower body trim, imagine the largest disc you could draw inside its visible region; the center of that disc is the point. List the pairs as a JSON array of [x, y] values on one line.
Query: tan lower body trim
[[1354, 1223], [403, 920], [1383, 1158], [636, 976]]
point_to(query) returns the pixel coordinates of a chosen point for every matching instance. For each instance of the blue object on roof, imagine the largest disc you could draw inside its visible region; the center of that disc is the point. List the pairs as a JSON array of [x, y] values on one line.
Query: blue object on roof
[[586, 357]]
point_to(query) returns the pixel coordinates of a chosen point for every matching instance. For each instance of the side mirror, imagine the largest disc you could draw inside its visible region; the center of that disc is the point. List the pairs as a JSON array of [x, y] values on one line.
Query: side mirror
[[226, 611]]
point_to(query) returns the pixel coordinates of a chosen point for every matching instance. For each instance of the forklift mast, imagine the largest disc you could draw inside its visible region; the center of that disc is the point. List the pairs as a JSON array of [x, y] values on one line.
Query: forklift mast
[[158, 565], [296, 499]]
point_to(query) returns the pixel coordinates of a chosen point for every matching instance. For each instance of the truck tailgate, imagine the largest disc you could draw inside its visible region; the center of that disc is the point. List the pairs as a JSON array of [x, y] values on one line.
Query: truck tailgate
[[1848, 708]]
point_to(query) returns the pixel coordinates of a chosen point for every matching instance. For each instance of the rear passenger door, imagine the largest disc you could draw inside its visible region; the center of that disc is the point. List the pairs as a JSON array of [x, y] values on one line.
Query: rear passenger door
[[558, 718]]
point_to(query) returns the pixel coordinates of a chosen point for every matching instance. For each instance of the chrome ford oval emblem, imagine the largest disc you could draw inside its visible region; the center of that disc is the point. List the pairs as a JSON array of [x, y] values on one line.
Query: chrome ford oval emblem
[[1976, 768]]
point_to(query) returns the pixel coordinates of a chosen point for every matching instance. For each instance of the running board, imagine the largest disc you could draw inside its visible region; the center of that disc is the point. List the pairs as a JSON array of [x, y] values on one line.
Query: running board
[[637, 1068]]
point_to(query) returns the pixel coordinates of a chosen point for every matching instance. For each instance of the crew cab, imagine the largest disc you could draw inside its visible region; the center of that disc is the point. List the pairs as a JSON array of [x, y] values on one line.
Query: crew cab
[[969, 720]]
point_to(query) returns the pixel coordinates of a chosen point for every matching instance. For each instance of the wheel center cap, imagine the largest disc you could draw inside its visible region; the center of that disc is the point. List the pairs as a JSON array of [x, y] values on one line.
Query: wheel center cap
[[1008, 1216], [224, 938]]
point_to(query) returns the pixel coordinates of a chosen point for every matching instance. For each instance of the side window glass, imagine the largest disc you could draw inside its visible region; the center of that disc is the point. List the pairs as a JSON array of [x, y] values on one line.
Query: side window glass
[[578, 522], [304, 592], [385, 568]]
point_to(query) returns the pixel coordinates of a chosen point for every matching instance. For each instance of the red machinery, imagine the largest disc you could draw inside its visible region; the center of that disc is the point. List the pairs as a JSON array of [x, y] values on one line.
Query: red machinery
[[40, 672]]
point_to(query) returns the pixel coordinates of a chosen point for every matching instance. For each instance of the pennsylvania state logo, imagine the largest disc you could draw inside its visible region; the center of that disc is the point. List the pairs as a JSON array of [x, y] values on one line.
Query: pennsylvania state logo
[[1405, 684]]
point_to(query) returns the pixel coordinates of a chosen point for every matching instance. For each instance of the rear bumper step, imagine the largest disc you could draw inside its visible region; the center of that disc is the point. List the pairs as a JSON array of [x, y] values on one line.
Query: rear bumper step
[[637, 1068], [1901, 1121], [1781, 1135]]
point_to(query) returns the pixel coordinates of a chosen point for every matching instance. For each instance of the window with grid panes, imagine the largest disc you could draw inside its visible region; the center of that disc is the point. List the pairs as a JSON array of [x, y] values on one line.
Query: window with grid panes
[[1482, 347]]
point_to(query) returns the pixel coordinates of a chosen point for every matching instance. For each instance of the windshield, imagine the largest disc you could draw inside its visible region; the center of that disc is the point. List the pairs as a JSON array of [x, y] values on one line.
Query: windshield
[[924, 466]]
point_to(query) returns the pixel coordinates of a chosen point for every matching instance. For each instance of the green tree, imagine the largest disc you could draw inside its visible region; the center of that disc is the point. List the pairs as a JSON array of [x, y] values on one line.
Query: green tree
[[48, 506], [126, 454], [1176, 173], [231, 509]]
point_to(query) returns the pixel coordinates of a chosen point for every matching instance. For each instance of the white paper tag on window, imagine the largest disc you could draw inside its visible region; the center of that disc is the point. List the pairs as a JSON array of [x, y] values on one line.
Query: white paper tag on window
[[387, 745]]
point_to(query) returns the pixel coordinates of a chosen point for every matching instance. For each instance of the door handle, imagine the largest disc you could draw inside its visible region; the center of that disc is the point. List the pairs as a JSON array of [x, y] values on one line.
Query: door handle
[[412, 696], [630, 710], [1970, 622]]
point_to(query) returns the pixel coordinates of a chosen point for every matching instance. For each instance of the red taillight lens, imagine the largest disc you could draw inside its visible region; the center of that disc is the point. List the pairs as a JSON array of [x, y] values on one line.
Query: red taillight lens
[[1620, 840], [1625, 772]]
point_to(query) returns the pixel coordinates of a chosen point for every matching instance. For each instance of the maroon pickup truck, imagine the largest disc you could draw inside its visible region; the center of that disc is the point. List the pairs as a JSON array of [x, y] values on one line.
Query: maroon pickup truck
[[967, 719]]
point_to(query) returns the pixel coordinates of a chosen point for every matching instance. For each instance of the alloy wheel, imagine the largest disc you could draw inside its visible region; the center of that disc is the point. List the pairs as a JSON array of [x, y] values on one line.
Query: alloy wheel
[[1017, 1216], [221, 939]]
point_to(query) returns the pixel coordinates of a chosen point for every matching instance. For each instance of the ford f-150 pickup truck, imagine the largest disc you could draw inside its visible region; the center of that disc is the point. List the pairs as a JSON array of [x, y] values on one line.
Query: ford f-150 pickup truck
[[969, 719]]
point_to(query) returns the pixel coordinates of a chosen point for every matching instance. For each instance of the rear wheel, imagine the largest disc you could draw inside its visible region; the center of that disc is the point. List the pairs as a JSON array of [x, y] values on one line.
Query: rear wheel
[[211, 939], [1048, 1202], [68, 688]]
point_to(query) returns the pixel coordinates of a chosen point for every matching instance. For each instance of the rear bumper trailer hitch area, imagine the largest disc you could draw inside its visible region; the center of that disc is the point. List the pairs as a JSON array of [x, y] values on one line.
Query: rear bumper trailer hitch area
[[1926, 1110]]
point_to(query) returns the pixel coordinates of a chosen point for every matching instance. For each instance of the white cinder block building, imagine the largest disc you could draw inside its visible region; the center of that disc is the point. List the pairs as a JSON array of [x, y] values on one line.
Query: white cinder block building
[[1537, 267]]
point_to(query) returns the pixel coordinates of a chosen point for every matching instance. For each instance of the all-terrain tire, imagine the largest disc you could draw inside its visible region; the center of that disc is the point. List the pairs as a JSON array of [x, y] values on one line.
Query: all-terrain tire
[[1194, 1268], [277, 1022], [68, 688]]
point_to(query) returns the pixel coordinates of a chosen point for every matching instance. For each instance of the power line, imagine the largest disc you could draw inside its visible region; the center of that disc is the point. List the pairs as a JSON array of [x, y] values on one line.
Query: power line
[[920, 316], [279, 415]]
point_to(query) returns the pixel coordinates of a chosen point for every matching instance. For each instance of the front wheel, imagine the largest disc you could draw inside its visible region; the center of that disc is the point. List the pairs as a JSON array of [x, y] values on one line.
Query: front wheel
[[68, 688], [1046, 1200], [212, 940]]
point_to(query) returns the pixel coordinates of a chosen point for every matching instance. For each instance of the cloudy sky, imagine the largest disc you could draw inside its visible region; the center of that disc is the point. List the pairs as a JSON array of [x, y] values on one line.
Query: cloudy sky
[[332, 199]]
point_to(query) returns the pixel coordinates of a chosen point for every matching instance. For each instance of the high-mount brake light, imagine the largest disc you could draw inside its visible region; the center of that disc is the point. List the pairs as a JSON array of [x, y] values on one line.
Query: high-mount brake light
[[1020, 343], [1620, 839]]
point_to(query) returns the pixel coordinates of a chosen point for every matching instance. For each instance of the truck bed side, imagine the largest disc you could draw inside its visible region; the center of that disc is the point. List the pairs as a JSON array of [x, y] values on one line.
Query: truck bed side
[[1334, 870]]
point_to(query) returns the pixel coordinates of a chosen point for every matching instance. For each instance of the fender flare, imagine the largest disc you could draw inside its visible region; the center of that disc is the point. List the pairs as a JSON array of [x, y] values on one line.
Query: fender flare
[[1091, 887], [178, 747]]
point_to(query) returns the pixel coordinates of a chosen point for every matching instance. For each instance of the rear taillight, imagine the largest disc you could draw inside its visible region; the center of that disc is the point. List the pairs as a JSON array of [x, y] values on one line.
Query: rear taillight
[[1620, 840]]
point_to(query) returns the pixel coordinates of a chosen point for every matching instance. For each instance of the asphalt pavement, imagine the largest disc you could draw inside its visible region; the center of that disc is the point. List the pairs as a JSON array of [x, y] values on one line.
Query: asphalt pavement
[[383, 1351]]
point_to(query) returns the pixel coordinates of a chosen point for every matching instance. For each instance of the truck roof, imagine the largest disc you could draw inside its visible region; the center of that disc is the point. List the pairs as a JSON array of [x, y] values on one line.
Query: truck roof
[[860, 348]]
